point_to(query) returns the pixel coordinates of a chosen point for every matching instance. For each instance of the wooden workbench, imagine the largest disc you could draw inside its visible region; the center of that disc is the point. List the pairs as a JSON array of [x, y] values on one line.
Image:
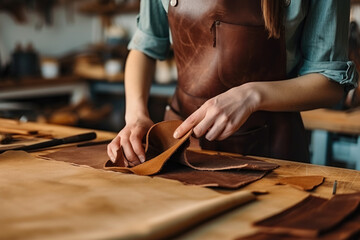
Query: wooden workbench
[[323, 122], [92, 216]]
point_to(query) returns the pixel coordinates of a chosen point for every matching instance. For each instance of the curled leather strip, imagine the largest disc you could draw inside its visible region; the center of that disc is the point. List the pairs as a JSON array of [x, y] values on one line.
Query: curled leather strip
[[159, 135], [161, 146]]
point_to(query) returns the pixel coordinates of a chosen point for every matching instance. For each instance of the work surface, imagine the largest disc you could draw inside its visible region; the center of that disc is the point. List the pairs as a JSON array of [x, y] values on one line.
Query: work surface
[[42, 199], [333, 120]]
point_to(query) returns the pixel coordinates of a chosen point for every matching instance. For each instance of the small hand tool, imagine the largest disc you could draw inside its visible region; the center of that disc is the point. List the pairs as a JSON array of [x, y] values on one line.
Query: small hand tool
[[55, 142]]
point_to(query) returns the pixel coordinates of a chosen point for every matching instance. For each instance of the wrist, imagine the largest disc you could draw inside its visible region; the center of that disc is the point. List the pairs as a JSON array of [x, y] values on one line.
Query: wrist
[[136, 115], [254, 95]]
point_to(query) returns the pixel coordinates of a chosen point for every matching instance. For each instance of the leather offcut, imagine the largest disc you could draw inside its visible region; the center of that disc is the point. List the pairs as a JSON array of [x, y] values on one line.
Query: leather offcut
[[306, 183], [314, 218]]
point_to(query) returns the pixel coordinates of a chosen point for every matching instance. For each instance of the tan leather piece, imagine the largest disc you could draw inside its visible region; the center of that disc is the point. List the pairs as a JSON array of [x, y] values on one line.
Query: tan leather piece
[[159, 135], [306, 183]]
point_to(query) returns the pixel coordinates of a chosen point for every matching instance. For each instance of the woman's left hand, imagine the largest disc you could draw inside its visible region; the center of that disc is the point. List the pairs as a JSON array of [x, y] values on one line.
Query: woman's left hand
[[221, 116]]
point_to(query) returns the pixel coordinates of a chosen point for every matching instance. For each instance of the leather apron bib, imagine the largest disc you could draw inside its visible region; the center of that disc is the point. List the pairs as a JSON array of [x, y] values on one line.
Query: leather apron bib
[[220, 44]]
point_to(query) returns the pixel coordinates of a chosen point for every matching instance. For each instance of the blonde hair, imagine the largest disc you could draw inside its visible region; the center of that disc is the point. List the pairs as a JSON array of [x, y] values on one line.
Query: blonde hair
[[273, 16]]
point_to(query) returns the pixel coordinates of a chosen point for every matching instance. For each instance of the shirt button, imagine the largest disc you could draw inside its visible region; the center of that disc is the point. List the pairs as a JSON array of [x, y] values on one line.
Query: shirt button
[[287, 3], [173, 3]]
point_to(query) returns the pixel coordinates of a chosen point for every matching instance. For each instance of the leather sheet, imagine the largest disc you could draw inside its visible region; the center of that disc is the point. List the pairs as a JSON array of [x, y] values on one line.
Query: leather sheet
[[197, 167], [314, 218], [225, 179], [53, 200], [164, 155]]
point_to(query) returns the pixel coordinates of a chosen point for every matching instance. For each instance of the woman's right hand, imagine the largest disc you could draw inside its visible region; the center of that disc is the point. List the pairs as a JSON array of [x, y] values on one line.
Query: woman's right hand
[[130, 140]]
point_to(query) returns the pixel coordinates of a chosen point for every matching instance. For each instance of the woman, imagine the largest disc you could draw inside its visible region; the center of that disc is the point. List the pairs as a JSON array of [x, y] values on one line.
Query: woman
[[245, 70]]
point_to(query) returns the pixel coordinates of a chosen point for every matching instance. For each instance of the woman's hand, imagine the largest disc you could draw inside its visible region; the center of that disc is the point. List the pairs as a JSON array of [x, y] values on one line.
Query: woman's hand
[[221, 116], [130, 140]]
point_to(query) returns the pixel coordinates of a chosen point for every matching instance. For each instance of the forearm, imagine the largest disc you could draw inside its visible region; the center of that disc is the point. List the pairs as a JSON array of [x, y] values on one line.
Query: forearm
[[299, 94], [139, 72]]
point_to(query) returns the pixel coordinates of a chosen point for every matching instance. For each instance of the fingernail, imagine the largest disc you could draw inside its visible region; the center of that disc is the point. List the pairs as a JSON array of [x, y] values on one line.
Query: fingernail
[[142, 159], [176, 134]]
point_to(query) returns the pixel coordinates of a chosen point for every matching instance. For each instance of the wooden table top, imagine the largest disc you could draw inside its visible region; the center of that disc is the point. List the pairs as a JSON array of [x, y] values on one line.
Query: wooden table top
[[332, 120], [238, 221]]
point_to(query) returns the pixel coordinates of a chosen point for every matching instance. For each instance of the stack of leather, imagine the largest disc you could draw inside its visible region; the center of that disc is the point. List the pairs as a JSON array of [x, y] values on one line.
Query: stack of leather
[[314, 218], [171, 158]]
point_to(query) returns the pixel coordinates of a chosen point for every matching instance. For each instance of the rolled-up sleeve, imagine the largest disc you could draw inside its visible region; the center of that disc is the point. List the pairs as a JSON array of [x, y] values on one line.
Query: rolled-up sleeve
[[324, 43], [152, 34]]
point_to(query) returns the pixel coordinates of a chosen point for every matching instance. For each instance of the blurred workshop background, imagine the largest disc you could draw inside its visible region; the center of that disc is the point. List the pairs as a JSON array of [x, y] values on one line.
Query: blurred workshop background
[[62, 62]]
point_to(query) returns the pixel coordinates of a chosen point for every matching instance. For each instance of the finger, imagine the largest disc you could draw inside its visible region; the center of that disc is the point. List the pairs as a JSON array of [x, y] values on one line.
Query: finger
[[189, 123], [129, 153], [216, 130], [227, 132], [135, 140], [112, 148], [204, 125]]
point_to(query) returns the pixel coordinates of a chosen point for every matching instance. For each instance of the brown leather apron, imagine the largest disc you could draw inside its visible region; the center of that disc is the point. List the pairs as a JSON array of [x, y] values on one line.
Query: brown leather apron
[[220, 44]]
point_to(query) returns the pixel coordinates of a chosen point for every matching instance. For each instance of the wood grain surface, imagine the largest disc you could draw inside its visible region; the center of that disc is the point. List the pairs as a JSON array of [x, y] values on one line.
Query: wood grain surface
[[332, 120], [229, 225]]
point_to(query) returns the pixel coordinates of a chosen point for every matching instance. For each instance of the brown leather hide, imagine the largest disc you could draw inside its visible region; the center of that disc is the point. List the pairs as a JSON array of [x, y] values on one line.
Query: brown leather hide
[[164, 155]]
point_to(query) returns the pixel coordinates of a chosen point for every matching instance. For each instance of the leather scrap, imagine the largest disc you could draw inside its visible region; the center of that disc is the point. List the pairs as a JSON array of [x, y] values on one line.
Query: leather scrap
[[306, 183], [314, 217], [171, 158]]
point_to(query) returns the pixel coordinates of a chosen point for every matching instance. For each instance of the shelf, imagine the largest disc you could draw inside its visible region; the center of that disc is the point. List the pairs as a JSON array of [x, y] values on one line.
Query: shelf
[[27, 88], [111, 8], [163, 90]]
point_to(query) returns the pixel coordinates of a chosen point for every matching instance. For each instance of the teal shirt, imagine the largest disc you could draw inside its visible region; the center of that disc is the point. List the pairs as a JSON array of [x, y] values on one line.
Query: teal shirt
[[316, 34]]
